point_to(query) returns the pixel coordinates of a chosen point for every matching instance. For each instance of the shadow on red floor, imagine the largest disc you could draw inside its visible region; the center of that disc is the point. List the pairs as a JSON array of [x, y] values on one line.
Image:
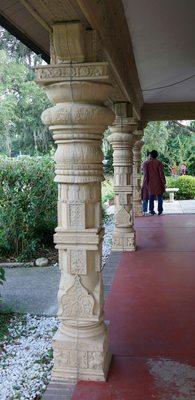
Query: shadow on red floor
[[152, 320]]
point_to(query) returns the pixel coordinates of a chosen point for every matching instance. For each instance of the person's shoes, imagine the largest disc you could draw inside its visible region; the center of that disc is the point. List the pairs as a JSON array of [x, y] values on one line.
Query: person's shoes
[[146, 214], [152, 213], [160, 213]]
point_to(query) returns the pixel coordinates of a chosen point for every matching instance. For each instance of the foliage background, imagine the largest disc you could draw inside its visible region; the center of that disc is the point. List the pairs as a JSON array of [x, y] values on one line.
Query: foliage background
[[28, 201], [27, 192], [175, 143], [21, 101]]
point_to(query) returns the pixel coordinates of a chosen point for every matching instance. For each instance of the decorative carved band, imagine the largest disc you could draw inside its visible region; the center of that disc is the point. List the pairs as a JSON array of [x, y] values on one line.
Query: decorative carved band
[[67, 72], [86, 359]]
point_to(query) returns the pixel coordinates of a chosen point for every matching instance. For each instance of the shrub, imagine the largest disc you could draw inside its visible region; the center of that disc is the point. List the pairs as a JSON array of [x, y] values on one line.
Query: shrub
[[28, 198], [108, 167], [107, 191], [186, 185]]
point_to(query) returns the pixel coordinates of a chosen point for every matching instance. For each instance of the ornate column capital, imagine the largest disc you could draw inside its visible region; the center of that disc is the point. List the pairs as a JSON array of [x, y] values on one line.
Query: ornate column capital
[[78, 128], [122, 132]]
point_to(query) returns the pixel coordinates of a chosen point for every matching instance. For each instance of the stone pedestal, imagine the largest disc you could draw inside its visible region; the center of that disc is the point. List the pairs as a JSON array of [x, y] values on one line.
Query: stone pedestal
[[122, 140], [137, 201], [78, 121]]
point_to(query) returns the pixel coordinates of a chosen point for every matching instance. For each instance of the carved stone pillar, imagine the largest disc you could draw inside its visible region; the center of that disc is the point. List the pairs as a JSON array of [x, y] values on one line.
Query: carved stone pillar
[[78, 121], [122, 140], [137, 202]]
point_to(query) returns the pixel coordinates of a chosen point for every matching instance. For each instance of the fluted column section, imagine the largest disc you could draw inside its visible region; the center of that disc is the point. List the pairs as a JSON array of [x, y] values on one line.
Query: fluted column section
[[137, 201], [78, 120], [122, 140]]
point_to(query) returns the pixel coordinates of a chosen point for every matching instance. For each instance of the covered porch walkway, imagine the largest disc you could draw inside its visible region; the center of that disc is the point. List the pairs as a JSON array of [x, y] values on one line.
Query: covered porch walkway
[[151, 313], [116, 64]]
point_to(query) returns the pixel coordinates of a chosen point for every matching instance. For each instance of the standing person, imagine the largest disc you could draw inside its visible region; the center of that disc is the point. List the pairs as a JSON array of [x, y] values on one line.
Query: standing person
[[183, 169], [155, 180]]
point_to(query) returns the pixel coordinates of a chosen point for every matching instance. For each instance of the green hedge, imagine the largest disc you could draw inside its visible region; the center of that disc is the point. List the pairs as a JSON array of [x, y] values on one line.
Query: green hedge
[[28, 197], [186, 185]]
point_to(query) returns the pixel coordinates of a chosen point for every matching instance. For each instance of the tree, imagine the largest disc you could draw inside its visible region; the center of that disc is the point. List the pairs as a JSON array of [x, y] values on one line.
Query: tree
[[16, 50], [22, 103], [174, 141], [181, 149], [155, 137]]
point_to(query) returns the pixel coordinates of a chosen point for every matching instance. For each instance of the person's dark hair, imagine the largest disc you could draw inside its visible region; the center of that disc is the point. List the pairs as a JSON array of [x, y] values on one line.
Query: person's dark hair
[[154, 154]]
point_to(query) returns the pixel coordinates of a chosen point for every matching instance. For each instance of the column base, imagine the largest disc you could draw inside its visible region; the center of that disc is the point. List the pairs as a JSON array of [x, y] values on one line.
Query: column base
[[81, 358], [137, 207], [123, 241]]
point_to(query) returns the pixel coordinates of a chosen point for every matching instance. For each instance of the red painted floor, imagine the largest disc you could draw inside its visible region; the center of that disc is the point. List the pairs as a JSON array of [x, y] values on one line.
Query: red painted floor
[[151, 309]]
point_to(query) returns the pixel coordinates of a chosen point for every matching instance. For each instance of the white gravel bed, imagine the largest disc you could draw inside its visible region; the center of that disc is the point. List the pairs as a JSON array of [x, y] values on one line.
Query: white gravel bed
[[107, 243], [26, 352], [26, 358]]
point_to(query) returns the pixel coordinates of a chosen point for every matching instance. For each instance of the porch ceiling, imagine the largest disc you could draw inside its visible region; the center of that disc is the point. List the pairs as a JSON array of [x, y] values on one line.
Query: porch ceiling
[[163, 34], [149, 45]]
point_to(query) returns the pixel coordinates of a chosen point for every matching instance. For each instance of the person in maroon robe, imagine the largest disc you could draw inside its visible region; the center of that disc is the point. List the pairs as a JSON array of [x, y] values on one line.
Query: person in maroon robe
[[155, 181]]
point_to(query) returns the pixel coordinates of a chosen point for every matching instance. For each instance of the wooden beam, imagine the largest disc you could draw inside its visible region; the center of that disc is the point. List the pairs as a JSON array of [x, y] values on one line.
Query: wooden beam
[[168, 111], [108, 18]]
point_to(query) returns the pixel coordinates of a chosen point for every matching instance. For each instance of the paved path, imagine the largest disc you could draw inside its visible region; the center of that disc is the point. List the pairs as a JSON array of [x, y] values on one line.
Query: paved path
[[34, 290], [175, 207], [31, 290], [179, 207]]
